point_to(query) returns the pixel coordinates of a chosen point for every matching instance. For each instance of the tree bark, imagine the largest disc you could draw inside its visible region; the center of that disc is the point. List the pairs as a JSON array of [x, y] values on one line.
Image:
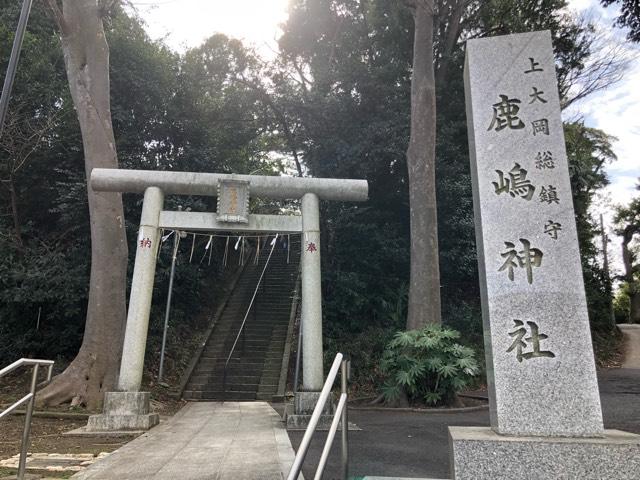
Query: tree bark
[[628, 258], [17, 226], [424, 285], [86, 56], [450, 35]]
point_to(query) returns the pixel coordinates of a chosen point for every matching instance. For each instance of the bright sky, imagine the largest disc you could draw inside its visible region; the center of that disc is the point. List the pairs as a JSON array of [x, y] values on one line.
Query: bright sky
[[186, 23], [617, 112]]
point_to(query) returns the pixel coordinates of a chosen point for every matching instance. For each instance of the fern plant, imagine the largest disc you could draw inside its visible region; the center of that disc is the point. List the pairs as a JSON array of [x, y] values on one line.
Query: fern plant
[[429, 365]]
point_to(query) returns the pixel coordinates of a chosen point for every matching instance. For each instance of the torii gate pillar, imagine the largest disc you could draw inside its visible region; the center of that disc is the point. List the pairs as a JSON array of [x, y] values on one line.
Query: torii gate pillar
[[135, 338], [128, 408], [312, 374]]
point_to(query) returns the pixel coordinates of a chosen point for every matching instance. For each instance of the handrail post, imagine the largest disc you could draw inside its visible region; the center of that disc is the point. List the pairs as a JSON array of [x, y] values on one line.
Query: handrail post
[[27, 425], [315, 417], [224, 384], [344, 376], [296, 377], [243, 333], [335, 423], [29, 399], [176, 243]]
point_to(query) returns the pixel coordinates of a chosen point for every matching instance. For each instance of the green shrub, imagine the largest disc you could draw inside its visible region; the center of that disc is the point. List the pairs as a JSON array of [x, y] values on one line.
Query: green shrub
[[428, 365]]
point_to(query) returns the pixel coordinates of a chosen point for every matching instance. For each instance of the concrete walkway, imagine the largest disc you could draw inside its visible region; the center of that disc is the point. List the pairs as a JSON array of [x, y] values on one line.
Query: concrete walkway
[[231, 440], [631, 334]]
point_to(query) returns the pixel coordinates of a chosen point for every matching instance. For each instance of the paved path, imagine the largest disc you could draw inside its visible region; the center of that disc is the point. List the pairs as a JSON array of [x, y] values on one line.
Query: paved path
[[247, 441], [631, 334], [416, 445], [212, 441]]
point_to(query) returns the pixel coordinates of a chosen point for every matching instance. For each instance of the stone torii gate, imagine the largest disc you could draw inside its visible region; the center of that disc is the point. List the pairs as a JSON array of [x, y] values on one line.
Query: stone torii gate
[[128, 408]]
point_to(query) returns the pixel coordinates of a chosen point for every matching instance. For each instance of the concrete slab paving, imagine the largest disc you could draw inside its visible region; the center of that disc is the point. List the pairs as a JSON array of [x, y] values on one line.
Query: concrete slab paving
[[631, 334], [205, 441]]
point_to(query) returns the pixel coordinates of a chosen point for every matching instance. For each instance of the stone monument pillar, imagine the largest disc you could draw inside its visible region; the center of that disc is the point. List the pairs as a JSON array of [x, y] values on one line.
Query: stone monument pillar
[[546, 420]]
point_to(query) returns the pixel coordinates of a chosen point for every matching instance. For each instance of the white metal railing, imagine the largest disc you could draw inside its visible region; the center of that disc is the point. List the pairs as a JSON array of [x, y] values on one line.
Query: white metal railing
[[340, 416], [29, 399]]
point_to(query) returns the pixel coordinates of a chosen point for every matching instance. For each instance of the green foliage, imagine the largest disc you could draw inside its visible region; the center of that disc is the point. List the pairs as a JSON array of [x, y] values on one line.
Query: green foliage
[[351, 65], [428, 365], [337, 98], [622, 304], [42, 296], [366, 345], [365, 350], [589, 151], [627, 221], [168, 112]]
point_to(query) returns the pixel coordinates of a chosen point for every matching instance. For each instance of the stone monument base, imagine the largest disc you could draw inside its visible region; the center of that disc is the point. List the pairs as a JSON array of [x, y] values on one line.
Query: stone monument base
[[124, 411], [303, 405], [479, 453]]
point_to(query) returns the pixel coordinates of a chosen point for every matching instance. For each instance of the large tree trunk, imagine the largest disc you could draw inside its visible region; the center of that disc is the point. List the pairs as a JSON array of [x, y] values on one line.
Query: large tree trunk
[[630, 275], [424, 288], [86, 55]]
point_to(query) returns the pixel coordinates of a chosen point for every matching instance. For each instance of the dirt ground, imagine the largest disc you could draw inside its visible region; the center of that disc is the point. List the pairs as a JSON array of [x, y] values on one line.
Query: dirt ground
[[47, 433], [46, 437]]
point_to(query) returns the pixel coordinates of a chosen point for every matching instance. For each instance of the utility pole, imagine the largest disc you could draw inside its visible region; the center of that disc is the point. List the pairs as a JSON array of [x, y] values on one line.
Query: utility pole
[[13, 62], [609, 286]]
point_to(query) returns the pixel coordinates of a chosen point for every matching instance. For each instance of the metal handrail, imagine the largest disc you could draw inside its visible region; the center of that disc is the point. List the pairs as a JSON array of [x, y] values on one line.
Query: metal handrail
[[29, 400], [246, 315], [296, 376], [340, 416]]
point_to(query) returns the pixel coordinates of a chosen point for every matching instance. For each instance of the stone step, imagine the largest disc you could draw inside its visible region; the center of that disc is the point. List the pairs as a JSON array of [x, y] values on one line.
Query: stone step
[[256, 361], [253, 330], [212, 363], [231, 386], [257, 325], [268, 386], [218, 372], [231, 378], [229, 395], [257, 342]]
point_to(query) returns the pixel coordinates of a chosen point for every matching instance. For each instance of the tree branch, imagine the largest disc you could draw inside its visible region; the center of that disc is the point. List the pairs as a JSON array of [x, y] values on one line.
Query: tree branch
[[105, 6], [450, 39], [58, 16]]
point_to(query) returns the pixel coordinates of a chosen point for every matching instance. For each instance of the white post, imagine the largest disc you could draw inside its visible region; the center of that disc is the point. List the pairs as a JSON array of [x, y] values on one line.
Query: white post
[[135, 338], [312, 375]]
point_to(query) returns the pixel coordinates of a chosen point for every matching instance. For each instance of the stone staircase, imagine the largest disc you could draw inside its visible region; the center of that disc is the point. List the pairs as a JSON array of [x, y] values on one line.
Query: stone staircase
[[255, 367]]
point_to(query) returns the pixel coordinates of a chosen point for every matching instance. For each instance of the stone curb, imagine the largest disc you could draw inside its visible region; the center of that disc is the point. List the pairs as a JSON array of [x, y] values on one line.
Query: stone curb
[[56, 415], [423, 410]]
